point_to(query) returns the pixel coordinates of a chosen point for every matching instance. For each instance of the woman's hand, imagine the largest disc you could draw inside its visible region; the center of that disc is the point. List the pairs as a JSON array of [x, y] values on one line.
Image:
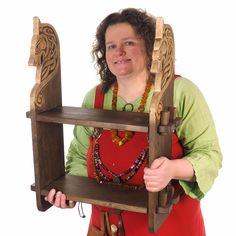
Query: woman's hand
[[158, 175], [163, 170], [58, 199]]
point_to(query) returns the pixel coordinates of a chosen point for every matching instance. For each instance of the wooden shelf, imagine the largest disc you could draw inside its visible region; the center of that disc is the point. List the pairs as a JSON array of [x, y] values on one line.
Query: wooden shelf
[[134, 121], [83, 189]]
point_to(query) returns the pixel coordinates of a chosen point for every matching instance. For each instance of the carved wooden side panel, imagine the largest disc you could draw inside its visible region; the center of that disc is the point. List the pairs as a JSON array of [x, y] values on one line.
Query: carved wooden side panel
[[162, 102], [48, 147]]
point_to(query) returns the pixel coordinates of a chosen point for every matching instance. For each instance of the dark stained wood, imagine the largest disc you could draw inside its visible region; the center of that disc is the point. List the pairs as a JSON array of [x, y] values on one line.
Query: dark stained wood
[[162, 100], [83, 189], [170, 128], [48, 160], [134, 121], [161, 147], [47, 139]]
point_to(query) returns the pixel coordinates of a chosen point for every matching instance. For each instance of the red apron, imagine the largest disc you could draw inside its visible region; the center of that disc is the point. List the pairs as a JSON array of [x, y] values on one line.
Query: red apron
[[185, 218]]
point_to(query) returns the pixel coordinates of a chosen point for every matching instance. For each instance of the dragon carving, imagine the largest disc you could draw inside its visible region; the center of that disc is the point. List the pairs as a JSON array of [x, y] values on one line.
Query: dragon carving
[[44, 54]]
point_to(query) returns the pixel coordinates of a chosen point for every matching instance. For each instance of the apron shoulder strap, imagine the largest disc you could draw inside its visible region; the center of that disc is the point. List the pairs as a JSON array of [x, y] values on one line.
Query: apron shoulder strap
[[176, 76], [99, 97]]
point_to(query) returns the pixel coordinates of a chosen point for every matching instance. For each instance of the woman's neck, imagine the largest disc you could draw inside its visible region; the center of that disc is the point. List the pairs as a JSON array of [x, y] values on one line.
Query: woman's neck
[[131, 89]]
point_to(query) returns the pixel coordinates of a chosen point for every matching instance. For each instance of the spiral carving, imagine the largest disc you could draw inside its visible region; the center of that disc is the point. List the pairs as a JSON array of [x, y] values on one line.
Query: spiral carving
[[46, 57], [162, 63], [167, 56]]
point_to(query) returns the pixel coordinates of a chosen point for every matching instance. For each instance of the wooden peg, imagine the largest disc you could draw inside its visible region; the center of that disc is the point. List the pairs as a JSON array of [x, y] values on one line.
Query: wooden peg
[[165, 117], [163, 197], [172, 111]]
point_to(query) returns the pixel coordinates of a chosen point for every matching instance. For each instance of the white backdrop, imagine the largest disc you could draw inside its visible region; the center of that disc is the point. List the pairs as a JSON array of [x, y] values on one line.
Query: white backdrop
[[205, 53]]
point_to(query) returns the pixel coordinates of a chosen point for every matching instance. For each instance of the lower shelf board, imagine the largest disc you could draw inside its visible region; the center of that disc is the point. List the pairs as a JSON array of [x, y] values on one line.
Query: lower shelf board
[[83, 189]]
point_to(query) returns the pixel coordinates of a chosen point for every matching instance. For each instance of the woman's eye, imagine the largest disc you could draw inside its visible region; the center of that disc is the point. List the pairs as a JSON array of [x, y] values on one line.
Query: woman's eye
[[111, 46], [129, 43]]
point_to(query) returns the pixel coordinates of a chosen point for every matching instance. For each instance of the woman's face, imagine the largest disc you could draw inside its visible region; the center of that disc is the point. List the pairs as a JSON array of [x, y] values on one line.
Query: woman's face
[[125, 51]]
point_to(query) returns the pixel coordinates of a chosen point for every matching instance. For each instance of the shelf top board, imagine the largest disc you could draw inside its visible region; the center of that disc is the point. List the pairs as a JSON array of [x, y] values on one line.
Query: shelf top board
[[133, 121]]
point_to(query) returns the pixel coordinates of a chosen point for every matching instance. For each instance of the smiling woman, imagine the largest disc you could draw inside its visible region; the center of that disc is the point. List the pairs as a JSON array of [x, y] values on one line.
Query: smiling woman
[[123, 55], [205, 39]]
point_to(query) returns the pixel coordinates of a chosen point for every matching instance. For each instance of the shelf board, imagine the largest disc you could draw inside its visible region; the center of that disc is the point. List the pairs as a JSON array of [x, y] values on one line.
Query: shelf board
[[134, 121], [87, 190]]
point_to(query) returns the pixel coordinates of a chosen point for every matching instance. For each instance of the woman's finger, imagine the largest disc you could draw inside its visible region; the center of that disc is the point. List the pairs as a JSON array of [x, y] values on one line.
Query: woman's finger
[[51, 195], [57, 201]]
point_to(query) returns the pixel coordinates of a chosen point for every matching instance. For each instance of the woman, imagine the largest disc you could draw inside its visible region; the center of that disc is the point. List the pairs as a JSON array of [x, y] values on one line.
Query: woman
[[123, 49]]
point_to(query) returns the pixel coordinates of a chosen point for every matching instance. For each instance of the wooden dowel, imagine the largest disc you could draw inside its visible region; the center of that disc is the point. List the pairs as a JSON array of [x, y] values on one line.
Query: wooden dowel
[[163, 197], [172, 111], [165, 117]]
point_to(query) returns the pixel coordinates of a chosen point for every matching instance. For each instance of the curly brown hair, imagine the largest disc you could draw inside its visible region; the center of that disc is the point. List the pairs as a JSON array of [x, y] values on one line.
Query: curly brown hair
[[144, 26]]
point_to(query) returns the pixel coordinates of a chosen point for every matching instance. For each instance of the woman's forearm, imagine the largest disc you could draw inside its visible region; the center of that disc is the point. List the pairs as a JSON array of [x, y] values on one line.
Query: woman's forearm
[[183, 170]]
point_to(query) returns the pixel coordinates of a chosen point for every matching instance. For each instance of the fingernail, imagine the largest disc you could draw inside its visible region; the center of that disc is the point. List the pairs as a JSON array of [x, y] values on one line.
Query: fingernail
[[53, 190]]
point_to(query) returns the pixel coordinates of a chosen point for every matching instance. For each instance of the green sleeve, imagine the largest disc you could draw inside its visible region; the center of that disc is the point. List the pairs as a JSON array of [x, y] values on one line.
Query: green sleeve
[[198, 136], [77, 153]]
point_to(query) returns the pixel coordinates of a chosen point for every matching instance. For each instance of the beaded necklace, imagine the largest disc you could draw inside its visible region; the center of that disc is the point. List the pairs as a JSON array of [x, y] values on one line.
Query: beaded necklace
[[128, 134], [104, 175]]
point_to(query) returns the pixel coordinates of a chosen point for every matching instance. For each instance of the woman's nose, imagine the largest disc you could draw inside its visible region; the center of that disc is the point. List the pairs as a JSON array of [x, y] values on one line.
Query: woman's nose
[[120, 50]]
